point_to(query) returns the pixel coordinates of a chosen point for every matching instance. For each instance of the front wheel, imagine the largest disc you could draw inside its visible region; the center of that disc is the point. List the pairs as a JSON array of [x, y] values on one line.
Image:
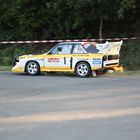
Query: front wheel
[[83, 69], [33, 68]]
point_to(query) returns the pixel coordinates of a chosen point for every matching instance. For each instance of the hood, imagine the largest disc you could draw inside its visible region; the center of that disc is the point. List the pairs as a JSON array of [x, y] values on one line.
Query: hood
[[31, 56], [25, 56]]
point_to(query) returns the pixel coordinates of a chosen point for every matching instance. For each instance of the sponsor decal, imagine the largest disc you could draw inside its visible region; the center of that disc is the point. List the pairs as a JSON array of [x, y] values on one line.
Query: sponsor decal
[[97, 62], [53, 59]]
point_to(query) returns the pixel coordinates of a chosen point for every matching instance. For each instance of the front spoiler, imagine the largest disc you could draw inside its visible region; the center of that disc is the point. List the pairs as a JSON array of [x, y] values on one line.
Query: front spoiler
[[19, 69]]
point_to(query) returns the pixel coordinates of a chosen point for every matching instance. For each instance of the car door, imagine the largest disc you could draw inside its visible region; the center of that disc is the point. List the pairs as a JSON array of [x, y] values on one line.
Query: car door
[[79, 52], [58, 58]]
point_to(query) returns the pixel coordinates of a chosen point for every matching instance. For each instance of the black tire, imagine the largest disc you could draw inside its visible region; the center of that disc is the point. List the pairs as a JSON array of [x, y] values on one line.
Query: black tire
[[83, 69], [33, 68]]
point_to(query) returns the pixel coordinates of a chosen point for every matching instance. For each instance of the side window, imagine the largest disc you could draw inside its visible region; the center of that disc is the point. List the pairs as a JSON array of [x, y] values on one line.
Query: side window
[[62, 49], [79, 49], [66, 49]]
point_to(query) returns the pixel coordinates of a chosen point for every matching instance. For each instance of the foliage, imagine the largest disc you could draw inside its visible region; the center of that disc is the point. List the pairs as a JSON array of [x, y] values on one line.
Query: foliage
[[33, 19], [65, 19], [130, 55], [7, 54]]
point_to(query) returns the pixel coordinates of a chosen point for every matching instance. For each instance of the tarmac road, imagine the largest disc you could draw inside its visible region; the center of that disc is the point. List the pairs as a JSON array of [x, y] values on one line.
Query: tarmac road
[[64, 107]]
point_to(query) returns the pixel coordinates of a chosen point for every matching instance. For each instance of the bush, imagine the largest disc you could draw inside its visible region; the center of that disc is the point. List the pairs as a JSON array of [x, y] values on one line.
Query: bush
[[130, 55], [8, 53]]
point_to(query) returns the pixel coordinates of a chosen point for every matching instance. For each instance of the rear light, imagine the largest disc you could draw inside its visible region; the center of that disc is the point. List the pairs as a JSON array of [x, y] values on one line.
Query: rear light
[[113, 57], [116, 56], [110, 57]]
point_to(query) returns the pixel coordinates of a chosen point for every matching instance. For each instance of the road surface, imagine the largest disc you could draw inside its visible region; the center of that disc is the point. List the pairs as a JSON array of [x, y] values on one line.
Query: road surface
[[64, 107]]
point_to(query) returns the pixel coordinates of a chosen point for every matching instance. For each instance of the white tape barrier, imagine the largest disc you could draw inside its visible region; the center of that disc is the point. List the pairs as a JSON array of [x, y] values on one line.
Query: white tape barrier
[[74, 40]]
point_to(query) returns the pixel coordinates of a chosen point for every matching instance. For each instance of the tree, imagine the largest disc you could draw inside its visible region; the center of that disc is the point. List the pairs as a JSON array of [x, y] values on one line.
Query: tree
[[33, 19]]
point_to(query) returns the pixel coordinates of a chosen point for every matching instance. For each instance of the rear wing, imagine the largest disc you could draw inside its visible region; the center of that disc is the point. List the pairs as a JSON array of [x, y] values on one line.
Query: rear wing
[[109, 47]]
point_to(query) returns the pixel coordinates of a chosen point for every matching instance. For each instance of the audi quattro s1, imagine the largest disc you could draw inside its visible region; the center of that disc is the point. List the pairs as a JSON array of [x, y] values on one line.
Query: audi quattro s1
[[82, 58]]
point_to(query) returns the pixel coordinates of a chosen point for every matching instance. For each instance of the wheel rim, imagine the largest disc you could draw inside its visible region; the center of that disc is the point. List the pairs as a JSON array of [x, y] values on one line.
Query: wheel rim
[[32, 68], [82, 69]]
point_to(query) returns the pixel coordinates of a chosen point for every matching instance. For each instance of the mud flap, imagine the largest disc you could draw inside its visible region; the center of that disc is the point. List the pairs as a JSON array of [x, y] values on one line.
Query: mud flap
[[94, 74]]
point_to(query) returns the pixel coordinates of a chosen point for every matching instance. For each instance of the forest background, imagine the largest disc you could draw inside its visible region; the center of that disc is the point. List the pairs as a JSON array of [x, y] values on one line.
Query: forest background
[[69, 19]]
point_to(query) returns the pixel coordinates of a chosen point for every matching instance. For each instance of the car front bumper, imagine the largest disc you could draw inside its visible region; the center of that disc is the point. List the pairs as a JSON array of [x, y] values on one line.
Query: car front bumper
[[18, 68]]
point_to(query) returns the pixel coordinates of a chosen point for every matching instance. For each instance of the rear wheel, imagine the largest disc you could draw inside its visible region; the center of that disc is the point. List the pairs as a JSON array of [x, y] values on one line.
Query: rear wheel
[[33, 68], [83, 69]]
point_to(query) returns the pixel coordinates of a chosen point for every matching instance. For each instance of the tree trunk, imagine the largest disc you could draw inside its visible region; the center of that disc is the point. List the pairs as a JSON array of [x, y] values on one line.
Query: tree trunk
[[101, 27], [67, 28]]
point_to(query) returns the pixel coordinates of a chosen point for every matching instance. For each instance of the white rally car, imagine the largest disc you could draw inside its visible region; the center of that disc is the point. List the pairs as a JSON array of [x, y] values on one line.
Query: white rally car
[[82, 58]]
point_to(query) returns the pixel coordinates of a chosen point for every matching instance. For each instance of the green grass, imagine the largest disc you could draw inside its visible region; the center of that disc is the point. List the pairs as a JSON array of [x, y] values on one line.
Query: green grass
[[131, 72], [5, 68], [125, 73]]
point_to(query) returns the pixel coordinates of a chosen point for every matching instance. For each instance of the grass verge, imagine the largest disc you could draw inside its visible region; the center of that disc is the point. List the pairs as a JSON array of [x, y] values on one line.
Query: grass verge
[[128, 73], [5, 68]]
